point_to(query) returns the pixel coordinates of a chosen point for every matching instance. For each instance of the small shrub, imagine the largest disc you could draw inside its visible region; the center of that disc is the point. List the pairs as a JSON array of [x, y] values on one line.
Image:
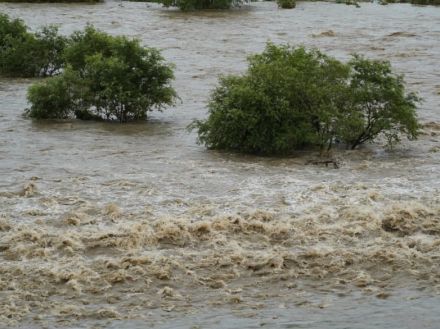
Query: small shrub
[[49, 50], [426, 2], [293, 98], [379, 105], [10, 29], [106, 77], [13, 33], [286, 4], [89, 42], [414, 2], [24, 54], [54, 98], [349, 3], [18, 57], [187, 5]]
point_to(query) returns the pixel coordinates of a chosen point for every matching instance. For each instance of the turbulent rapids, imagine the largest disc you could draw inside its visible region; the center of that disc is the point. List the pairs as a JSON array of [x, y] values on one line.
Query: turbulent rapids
[[103, 225], [102, 262]]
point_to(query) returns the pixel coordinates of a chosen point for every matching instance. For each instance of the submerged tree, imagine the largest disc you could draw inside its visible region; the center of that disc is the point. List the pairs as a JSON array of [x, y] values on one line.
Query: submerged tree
[[187, 5], [54, 98], [379, 105], [25, 54], [286, 4], [291, 98], [105, 77]]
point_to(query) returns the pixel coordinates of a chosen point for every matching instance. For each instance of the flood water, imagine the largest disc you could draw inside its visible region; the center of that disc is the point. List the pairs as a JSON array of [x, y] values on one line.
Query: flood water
[[105, 225]]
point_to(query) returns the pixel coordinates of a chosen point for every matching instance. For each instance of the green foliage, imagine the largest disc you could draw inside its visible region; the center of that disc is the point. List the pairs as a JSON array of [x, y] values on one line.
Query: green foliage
[[274, 107], [10, 29], [49, 50], [23, 54], [349, 3], [286, 4], [90, 42], [414, 2], [13, 33], [292, 98], [105, 77], [426, 2], [54, 98], [379, 104], [17, 57], [187, 5]]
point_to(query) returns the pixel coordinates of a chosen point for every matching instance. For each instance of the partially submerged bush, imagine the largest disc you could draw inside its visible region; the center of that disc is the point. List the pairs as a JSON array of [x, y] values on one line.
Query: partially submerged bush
[[106, 77], [49, 51], [92, 41], [349, 3], [291, 98], [426, 2], [414, 2], [10, 29], [54, 98], [286, 4], [24, 54], [378, 105], [13, 33], [187, 5]]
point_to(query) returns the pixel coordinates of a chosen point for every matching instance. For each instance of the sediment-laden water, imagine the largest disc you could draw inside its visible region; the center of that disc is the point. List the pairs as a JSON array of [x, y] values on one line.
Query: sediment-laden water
[[134, 226]]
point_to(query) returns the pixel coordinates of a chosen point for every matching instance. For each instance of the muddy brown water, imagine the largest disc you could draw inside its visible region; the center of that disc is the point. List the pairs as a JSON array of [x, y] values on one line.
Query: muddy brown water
[[133, 226]]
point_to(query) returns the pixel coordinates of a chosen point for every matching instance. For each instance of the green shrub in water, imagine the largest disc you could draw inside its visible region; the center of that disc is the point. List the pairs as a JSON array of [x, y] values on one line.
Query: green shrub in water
[[426, 2], [10, 29], [293, 98], [54, 98], [414, 2], [349, 3], [378, 105], [105, 77], [286, 4], [187, 5], [24, 54], [49, 51]]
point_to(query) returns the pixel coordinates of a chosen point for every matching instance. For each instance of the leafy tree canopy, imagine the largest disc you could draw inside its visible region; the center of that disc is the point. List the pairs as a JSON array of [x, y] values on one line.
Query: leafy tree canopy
[[25, 54], [291, 98], [186, 5], [105, 77]]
